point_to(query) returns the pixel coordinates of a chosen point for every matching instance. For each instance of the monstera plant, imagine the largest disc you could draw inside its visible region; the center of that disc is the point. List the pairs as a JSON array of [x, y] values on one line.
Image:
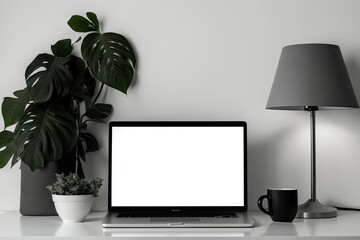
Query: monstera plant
[[61, 97]]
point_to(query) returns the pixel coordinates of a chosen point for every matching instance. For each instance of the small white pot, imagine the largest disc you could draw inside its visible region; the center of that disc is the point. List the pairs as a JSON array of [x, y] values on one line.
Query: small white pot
[[73, 208]]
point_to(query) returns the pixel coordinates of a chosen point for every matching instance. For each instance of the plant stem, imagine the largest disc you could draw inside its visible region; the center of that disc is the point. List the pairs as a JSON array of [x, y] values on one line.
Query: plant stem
[[98, 95], [78, 132]]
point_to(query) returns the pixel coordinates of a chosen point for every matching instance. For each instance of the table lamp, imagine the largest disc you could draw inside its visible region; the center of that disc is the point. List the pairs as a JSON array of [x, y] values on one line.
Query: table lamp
[[312, 77]]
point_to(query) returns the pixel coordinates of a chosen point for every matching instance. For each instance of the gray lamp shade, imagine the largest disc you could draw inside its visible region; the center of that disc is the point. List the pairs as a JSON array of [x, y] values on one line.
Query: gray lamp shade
[[311, 75]]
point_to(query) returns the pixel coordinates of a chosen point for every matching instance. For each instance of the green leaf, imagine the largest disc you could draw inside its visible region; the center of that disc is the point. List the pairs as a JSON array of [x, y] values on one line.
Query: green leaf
[[77, 67], [81, 24], [93, 18], [15, 158], [95, 120], [13, 108], [44, 134], [90, 83], [110, 58], [62, 48], [89, 89], [99, 111], [6, 147], [48, 76], [90, 140]]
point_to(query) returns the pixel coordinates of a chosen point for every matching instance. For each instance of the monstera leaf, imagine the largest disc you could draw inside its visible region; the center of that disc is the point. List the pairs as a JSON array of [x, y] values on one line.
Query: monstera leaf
[[52, 113], [109, 56], [6, 147], [99, 111], [92, 144], [62, 48], [89, 88], [48, 76], [77, 68], [81, 24], [13, 108], [45, 133]]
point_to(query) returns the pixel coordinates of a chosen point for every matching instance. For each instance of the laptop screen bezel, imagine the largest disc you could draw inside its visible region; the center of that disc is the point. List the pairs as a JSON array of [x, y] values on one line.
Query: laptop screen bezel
[[178, 124]]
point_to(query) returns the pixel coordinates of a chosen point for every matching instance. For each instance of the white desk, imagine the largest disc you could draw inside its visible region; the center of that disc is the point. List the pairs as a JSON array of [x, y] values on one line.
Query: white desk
[[15, 226]]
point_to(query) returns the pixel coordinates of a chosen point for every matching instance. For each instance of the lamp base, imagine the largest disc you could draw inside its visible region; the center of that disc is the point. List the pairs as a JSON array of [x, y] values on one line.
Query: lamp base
[[314, 209]]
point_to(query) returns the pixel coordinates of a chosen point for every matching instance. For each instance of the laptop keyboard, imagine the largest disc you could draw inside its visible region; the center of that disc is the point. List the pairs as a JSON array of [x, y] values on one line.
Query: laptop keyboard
[[154, 215]]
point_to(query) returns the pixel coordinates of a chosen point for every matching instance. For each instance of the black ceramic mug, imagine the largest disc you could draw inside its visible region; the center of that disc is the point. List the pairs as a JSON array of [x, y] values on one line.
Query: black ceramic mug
[[282, 204]]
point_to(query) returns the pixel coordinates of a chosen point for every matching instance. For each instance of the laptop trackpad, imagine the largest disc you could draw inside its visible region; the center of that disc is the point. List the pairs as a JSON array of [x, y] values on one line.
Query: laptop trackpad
[[175, 219]]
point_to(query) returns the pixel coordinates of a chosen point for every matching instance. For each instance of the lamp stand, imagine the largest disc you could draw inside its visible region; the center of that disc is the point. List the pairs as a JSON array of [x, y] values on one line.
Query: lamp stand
[[313, 208]]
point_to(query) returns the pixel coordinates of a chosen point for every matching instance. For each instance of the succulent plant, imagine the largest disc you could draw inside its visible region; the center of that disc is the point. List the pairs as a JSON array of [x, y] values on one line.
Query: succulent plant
[[72, 184]]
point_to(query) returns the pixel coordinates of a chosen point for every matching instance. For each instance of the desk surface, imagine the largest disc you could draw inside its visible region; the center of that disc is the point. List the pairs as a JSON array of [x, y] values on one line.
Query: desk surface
[[15, 226]]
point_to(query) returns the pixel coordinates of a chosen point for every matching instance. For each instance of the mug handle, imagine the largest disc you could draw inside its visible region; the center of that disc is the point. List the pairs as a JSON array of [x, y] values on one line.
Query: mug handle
[[260, 205]]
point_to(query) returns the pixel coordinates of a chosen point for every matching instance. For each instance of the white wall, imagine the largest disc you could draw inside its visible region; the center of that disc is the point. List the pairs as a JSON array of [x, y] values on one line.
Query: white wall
[[208, 60]]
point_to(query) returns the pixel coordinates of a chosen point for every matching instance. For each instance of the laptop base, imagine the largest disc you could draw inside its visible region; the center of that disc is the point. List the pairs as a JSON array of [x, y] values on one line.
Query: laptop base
[[241, 221]]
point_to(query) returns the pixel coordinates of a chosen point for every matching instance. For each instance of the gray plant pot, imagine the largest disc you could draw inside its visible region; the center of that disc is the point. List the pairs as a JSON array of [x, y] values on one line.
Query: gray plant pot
[[35, 198]]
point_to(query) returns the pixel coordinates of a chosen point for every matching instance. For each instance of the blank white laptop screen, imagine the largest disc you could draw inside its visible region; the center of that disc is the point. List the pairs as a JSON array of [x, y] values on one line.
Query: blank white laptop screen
[[159, 166]]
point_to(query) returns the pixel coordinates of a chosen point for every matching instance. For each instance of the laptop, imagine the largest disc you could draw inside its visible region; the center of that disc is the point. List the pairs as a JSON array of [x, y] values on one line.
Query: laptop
[[167, 174]]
